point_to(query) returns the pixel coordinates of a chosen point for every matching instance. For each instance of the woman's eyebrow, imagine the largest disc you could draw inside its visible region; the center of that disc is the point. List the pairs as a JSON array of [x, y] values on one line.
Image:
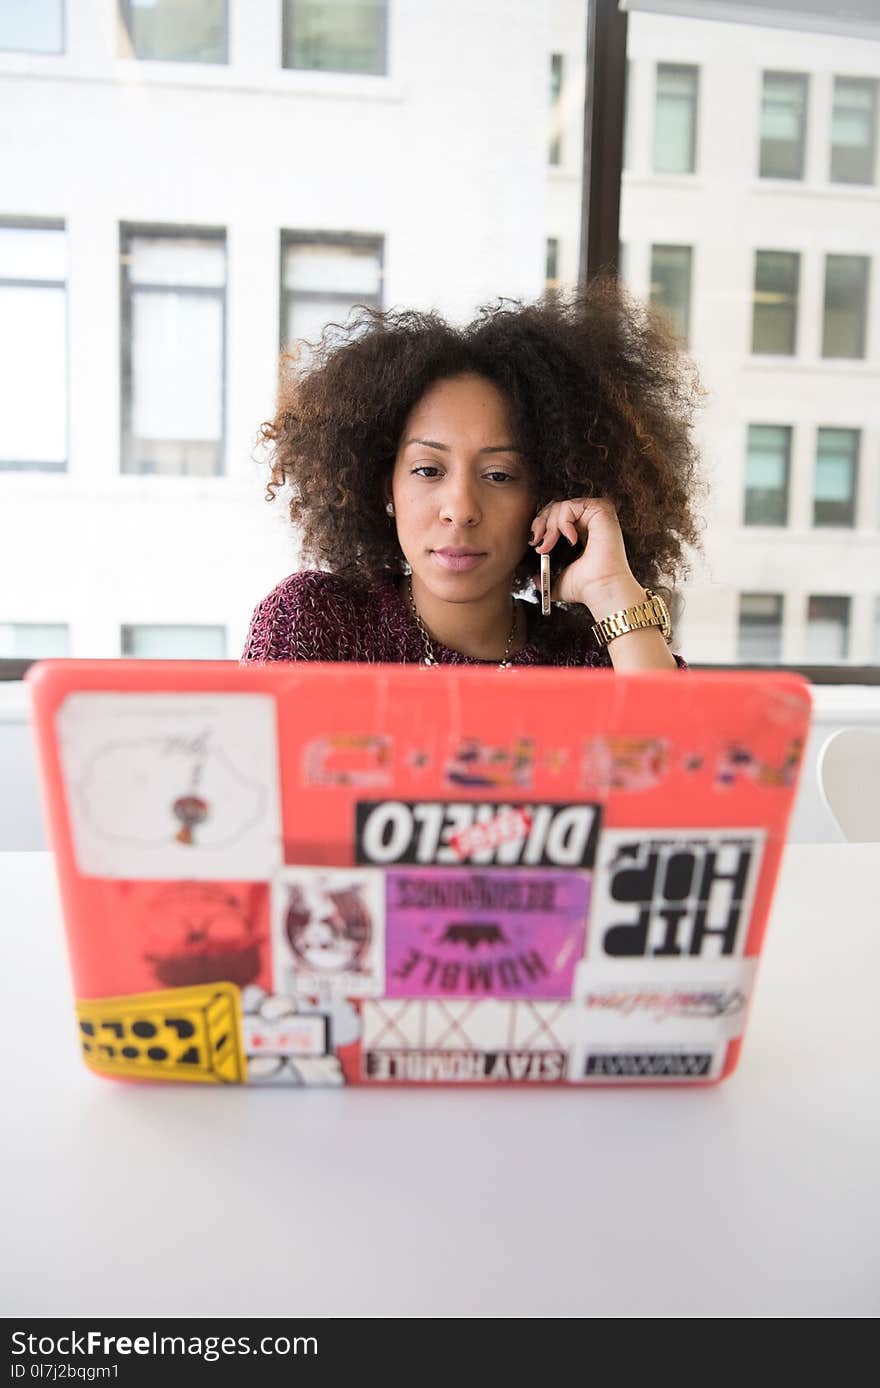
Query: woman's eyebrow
[[493, 448]]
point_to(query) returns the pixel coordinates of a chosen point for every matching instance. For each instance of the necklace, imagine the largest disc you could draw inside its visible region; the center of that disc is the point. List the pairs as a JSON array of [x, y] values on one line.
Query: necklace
[[431, 659]]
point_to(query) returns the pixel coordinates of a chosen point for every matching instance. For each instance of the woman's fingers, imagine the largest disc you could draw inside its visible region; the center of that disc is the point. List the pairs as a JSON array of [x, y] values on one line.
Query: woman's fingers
[[555, 519]]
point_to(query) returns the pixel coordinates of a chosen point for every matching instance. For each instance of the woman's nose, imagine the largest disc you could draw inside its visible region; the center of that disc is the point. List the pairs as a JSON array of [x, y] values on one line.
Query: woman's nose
[[459, 505]]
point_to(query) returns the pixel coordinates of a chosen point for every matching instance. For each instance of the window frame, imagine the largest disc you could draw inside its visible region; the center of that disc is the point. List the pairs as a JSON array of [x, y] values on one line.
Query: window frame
[[360, 240], [776, 625], [43, 224], [383, 46], [788, 431], [695, 120], [129, 231], [796, 298], [874, 84], [47, 52], [123, 14], [804, 79]]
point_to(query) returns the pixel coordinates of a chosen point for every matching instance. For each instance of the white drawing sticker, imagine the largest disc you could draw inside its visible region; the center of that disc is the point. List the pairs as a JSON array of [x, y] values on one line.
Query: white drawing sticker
[[172, 785]]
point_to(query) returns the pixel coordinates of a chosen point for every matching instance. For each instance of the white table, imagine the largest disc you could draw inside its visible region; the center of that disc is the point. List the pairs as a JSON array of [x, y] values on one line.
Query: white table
[[757, 1197]]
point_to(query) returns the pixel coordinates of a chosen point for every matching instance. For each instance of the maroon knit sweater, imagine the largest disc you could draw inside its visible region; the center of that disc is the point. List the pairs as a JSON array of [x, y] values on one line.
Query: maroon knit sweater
[[320, 616]]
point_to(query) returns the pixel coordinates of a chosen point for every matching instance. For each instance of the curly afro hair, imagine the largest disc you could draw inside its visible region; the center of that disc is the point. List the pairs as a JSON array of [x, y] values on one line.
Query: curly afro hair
[[601, 401]]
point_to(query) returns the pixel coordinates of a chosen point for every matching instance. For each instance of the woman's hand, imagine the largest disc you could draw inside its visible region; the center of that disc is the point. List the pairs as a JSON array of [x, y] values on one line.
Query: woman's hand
[[601, 573]]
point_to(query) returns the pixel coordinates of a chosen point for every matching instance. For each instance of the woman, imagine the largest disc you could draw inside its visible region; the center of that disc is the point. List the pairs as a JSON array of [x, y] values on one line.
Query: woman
[[429, 468]]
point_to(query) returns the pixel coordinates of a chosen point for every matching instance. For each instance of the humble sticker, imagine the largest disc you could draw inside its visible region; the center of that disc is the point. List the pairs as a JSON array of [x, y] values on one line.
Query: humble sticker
[[462, 933]]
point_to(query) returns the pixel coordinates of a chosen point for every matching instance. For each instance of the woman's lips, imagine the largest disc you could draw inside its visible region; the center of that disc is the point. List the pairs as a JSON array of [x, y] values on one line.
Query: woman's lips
[[448, 559]]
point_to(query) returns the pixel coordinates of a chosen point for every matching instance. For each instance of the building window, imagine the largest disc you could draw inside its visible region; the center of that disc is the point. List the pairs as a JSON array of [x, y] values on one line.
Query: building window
[[32, 26], [345, 36], [552, 270], [675, 119], [774, 315], [767, 472], [555, 153], [322, 278], [182, 31], [837, 457], [173, 350], [846, 300], [854, 130], [760, 627], [33, 640], [783, 124], [174, 643], [33, 346], [671, 285], [827, 629]]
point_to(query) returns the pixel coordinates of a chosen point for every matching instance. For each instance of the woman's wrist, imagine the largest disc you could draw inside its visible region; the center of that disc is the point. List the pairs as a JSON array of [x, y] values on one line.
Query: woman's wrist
[[644, 649]]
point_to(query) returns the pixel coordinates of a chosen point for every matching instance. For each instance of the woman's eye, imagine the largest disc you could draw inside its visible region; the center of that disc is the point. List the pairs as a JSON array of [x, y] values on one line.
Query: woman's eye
[[426, 467], [500, 476]]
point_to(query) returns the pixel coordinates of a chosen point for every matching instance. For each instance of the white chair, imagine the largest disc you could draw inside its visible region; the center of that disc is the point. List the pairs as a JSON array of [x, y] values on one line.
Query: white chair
[[848, 767]]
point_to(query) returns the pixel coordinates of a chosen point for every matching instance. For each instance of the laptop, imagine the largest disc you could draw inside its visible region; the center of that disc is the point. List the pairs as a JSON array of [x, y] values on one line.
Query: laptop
[[305, 874]]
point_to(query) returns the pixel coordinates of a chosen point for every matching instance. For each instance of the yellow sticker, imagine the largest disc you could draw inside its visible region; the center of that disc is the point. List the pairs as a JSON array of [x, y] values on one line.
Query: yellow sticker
[[179, 1034]]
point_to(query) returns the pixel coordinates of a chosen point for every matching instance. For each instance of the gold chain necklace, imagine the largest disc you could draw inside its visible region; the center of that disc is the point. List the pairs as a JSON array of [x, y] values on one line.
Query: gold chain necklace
[[431, 659]]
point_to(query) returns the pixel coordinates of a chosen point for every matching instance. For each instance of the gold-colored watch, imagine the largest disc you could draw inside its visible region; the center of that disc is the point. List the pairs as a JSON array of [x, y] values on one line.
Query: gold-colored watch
[[653, 612]]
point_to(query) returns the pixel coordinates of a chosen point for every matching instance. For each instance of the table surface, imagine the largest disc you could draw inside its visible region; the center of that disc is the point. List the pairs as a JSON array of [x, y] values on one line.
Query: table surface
[[756, 1197]]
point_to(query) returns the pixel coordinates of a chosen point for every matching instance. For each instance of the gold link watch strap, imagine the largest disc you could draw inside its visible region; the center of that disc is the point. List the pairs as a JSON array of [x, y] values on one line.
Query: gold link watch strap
[[653, 612]]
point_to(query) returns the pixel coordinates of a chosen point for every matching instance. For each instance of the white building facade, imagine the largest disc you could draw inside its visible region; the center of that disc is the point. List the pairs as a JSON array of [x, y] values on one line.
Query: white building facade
[[195, 213]]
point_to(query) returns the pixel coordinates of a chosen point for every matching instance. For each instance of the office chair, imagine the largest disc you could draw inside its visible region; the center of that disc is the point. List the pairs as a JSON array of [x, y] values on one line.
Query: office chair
[[848, 768]]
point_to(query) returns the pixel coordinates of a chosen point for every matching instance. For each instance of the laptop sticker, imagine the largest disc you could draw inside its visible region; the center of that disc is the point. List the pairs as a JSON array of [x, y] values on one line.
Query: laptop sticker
[[329, 931], [624, 763], [456, 932], [646, 1063], [459, 832], [172, 785], [475, 763], [653, 1010], [178, 1034], [285, 1044], [673, 893], [465, 1042], [348, 759]]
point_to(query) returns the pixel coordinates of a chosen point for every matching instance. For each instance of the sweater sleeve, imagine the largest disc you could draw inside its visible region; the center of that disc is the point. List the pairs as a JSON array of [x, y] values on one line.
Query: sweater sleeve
[[309, 616]]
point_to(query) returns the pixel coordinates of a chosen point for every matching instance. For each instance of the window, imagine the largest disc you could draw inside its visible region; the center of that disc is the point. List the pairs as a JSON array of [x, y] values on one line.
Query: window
[[185, 31], [555, 154], [767, 472], [846, 299], [675, 119], [345, 36], [760, 627], [552, 268], [774, 316], [33, 640], [174, 642], [173, 296], [33, 346], [671, 284], [837, 455], [827, 629], [783, 124], [322, 278], [32, 26], [854, 130]]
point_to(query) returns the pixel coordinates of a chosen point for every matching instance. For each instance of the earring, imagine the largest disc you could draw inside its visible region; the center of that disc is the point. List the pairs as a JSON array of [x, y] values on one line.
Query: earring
[[390, 508]]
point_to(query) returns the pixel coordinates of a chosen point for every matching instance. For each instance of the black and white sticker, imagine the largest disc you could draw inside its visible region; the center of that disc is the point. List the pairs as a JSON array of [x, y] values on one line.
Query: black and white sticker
[[673, 893]]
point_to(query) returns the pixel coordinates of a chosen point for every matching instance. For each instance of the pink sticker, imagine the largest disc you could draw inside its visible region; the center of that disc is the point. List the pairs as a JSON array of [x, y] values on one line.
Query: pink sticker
[[469, 934]]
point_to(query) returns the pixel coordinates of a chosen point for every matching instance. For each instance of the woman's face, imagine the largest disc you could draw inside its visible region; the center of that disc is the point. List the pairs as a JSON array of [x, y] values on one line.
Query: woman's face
[[463, 497]]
